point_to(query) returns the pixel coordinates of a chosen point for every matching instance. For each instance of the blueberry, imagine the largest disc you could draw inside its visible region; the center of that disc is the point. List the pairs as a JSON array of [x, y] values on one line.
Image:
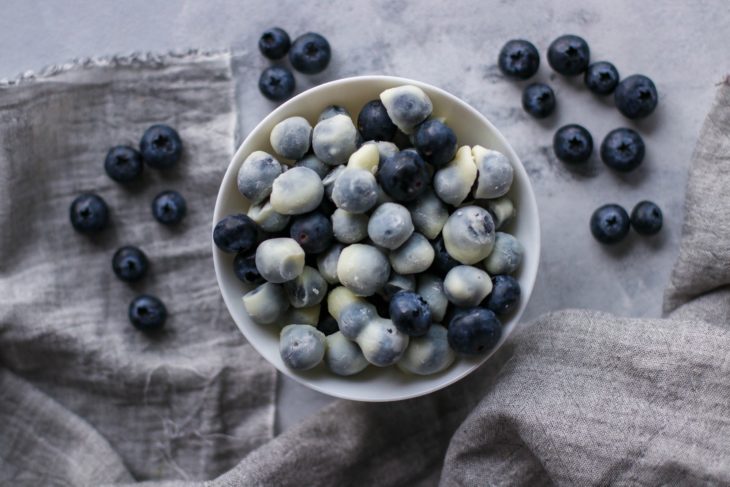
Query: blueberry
[[404, 176], [610, 224], [442, 261], [538, 100], [519, 59], [147, 313], [504, 296], [622, 149], [169, 207], [328, 325], [601, 78], [244, 267], [277, 83], [569, 55], [436, 142], [129, 263], [160, 147], [235, 233], [274, 43], [646, 218], [410, 313], [374, 123], [573, 144], [310, 53], [123, 164], [636, 96], [473, 331], [313, 232], [89, 213]]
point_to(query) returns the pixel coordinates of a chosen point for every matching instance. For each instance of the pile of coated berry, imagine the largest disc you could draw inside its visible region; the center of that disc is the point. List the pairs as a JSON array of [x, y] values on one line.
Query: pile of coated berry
[[160, 148], [621, 150], [309, 54], [367, 253]]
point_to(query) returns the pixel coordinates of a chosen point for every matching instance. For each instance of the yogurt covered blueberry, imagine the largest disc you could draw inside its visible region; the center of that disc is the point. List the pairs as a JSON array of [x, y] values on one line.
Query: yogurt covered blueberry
[[334, 139], [298, 190], [290, 137], [256, 176]]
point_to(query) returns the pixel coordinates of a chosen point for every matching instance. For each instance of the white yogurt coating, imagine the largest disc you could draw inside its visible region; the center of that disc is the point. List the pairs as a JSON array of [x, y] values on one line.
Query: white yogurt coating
[[266, 218], [256, 176], [385, 148], [495, 173], [363, 269], [414, 256], [344, 357], [390, 225], [355, 190], [307, 289], [314, 164], [299, 190], [454, 181], [431, 289], [330, 178], [301, 346], [279, 259], [469, 234], [349, 227], [327, 263], [290, 137], [467, 286], [366, 157], [506, 255], [303, 316], [429, 214], [398, 282], [428, 354], [407, 106], [266, 304], [502, 210], [334, 139]]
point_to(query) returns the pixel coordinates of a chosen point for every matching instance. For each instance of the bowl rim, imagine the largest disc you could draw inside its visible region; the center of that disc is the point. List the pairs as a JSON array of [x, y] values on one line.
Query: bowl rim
[[530, 195]]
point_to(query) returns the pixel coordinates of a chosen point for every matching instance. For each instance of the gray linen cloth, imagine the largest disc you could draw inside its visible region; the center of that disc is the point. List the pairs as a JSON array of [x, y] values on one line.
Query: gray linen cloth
[[575, 398]]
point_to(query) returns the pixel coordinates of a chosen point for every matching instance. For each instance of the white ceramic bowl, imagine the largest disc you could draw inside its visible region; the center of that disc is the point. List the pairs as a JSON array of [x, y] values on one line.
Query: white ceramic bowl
[[375, 384]]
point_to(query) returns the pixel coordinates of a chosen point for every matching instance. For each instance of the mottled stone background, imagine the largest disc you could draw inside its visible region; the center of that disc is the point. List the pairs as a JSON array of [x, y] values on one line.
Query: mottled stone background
[[682, 46]]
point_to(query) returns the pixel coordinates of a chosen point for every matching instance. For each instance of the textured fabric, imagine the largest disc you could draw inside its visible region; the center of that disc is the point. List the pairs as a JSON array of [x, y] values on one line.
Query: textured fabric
[[184, 405]]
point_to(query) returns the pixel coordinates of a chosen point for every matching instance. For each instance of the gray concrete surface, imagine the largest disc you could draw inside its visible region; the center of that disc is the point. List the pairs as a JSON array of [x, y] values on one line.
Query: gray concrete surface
[[682, 46]]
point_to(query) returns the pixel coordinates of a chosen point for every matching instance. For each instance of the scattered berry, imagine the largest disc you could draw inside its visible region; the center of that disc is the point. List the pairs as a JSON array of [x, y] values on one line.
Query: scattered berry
[[622, 150], [160, 147], [310, 53], [646, 218], [129, 263], [636, 96], [538, 100], [277, 83], [147, 313], [374, 123], [519, 59], [569, 55], [435, 142], [169, 207], [244, 266], [610, 224], [473, 331], [410, 313], [235, 233], [313, 232], [601, 78], [123, 164], [403, 176], [573, 144], [274, 43], [89, 213], [504, 296]]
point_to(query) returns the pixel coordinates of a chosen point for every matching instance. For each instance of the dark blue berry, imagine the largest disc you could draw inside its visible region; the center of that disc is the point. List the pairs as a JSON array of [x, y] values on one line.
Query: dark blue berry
[[610, 224], [636, 96], [235, 233], [147, 313], [601, 78], [538, 100], [123, 164], [569, 55], [277, 83], [573, 144], [474, 331], [310, 53], [129, 263], [244, 267], [442, 261], [89, 213], [436, 142], [160, 147], [410, 313], [169, 207], [622, 149], [374, 123], [519, 59], [646, 218], [328, 325], [504, 296], [403, 176], [312, 231], [274, 43]]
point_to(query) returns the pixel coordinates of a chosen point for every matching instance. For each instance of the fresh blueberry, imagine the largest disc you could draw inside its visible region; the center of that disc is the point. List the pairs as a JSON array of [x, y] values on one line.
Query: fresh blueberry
[[274, 43], [147, 313], [235, 233], [410, 313], [538, 100], [89, 213], [313, 232], [442, 261], [573, 144], [504, 296], [636, 96], [129, 263], [474, 331], [160, 147], [328, 325], [404, 176], [610, 224], [169, 207], [569, 55], [310, 53], [374, 123], [244, 266], [123, 164], [646, 218], [519, 59], [601, 78], [277, 83], [436, 142], [622, 149]]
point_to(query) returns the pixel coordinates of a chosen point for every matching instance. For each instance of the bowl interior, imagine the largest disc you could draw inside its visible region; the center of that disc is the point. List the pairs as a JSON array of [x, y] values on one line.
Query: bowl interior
[[471, 128]]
